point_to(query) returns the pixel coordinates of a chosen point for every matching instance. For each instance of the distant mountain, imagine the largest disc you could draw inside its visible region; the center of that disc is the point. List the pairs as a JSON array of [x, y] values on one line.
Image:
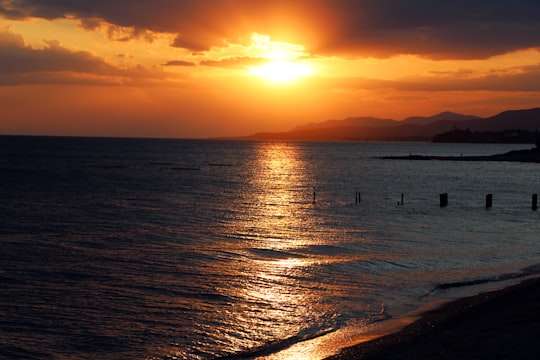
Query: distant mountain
[[355, 122], [486, 137], [508, 120], [411, 129], [447, 115]]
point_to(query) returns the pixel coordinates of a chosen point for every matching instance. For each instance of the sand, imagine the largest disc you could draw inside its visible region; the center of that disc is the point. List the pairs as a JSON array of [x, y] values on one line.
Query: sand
[[502, 324]]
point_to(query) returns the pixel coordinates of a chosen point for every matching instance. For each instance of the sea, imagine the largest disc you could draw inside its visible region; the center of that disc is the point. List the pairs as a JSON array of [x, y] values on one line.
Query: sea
[[116, 248]]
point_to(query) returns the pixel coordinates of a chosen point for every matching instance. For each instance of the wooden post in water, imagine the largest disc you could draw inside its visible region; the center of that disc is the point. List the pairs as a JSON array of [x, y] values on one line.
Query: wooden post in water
[[402, 195], [535, 202], [489, 201], [443, 200]]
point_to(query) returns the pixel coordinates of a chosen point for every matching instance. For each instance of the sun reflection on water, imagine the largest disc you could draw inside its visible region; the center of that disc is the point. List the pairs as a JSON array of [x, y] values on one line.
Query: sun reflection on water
[[277, 305], [279, 196]]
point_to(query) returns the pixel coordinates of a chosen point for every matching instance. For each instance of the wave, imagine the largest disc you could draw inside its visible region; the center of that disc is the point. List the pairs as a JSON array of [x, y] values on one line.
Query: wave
[[16, 352], [220, 164], [329, 324], [106, 166], [524, 272], [273, 254]]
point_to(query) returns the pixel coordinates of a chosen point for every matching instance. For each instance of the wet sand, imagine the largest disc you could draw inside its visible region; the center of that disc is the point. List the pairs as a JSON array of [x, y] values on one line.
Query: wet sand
[[502, 324]]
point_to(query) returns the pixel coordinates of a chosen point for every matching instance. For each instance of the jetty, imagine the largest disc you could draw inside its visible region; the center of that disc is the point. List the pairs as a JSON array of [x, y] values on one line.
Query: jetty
[[529, 156]]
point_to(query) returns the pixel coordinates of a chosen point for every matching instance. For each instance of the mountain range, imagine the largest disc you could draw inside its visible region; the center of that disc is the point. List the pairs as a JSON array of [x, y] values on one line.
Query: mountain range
[[416, 128]]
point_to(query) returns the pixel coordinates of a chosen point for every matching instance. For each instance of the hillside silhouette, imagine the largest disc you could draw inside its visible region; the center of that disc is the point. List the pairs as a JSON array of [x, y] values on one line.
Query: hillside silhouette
[[414, 128]]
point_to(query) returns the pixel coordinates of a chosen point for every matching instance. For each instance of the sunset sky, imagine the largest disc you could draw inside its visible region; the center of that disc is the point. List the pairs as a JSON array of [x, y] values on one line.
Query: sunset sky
[[203, 68]]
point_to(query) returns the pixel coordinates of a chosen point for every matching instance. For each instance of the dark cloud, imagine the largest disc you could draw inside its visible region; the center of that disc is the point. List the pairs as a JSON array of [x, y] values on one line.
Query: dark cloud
[[432, 28], [436, 29], [18, 58], [179, 63], [519, 79], [522, 79], [21, 64]]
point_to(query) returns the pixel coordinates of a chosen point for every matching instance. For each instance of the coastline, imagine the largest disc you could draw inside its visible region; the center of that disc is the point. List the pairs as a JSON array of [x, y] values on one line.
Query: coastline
[[500, 324], [530, 156]]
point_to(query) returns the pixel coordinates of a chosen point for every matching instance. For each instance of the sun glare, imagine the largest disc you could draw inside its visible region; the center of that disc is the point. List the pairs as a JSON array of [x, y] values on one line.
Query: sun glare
[[283, 64], [281, 71]]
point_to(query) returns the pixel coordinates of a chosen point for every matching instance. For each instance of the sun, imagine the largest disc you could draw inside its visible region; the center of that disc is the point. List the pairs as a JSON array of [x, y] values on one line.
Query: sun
[[282, 71], [284, 62]]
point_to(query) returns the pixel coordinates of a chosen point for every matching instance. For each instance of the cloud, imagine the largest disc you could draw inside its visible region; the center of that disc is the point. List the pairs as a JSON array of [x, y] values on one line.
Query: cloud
[[179, 63], [22, 64], [16, 57], [234, 62], [116, 32], [516, 79], [437, 29]]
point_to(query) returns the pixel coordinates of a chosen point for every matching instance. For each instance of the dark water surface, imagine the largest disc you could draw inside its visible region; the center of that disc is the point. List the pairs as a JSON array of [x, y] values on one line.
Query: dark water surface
[[179, 249]]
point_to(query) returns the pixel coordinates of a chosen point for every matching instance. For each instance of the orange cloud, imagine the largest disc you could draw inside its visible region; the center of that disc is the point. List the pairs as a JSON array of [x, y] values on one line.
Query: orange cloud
[[179, 63], [234, 62], [21, 64]]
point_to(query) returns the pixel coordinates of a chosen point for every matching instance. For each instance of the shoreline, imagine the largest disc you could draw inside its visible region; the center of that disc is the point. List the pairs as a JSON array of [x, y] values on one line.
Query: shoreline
[[529, 156], [495, 324]]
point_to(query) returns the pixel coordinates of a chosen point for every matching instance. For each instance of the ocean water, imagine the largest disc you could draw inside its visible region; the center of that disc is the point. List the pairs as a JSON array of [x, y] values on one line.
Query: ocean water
[[200, 249]]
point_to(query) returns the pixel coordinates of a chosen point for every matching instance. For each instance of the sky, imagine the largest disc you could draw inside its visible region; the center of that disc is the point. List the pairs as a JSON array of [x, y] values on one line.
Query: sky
[[208, 68]]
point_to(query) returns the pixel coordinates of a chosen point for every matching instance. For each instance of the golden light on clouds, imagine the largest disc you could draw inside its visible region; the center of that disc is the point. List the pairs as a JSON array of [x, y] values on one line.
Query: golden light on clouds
[[281, 62], [282, 71], [263, 46]]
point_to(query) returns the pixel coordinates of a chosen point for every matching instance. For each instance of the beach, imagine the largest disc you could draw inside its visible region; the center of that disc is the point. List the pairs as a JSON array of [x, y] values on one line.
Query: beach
[[500, 324]]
